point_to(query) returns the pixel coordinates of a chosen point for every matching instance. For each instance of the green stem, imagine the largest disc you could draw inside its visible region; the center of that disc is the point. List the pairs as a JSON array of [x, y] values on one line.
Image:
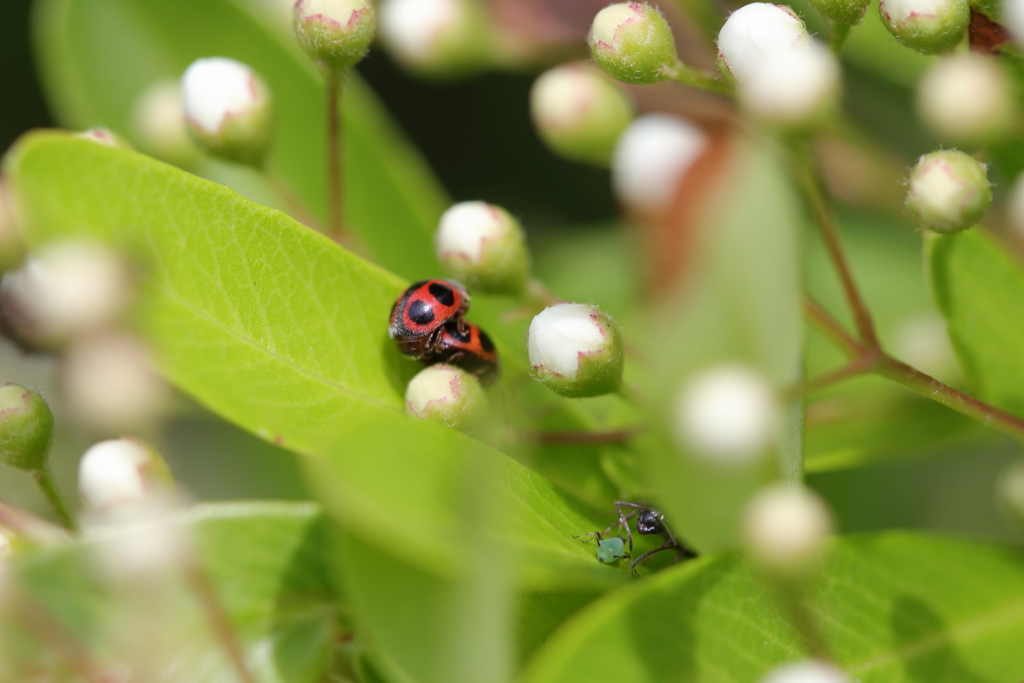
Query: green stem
[[837, 34], [630, 395], [683, 73], [48, 485]]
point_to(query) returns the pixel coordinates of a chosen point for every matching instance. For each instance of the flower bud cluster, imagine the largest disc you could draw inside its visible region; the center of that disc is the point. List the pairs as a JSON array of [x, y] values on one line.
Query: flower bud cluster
[[484, 246], [633, 43], [228, 109], [948, 191], [579, 112], [436, 37], [928, 26], [576, 350], [782, 76]]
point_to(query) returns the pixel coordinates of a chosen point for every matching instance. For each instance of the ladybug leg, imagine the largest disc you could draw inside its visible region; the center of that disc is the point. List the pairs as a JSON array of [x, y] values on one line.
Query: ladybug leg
[[460, 323]]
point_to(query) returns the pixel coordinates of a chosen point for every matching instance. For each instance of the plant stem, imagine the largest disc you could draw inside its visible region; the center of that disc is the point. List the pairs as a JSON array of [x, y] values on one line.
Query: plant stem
[[837, 34], [630, 395], [683, 73], [803, 620], [49, 630], [872, 358], [296, 205], [48, 485], [856, 367], [335, 189], [814, 195], [929, 387], [218, 617]]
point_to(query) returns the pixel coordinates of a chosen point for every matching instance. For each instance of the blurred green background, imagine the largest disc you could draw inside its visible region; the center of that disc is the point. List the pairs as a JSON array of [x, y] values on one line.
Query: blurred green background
[[477, 137]]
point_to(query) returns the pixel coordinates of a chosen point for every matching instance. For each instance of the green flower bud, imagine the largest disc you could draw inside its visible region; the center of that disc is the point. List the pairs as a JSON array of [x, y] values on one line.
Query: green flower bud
[[579, 112], [26, 427], [483, 246], [446, 394], [949, 191], [633, 43], [785, 528], [842, 11], [335, 33], [928, 26], [967, 98], [576, 350], [228, 108], [436, 37]]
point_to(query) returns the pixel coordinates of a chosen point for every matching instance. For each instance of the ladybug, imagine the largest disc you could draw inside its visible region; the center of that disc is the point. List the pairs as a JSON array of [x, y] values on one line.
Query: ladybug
[[419, 315], [469, 348]]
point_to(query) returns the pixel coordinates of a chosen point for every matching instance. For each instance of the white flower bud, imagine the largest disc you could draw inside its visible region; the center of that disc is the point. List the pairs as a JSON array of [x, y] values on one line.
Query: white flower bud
[[483, 246], [755, 32], [158, 120], [446, 394], [651, 158], [792, 87], [335, 33], [228, 109], [949, 191], [121, 473], [805, 672], [727, 414], [785, 528], [633, 43], [435, 37], [966, 98], [6, 545], [110, 383], [105, 137], [928, 26], [579, 112], [70, 288], [576, 350]]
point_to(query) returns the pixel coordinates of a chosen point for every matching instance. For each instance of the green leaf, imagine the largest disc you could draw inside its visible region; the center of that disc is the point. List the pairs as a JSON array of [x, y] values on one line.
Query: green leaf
[[266, 563], [283, 332], [891, 607], [979, 287], [97, 56]]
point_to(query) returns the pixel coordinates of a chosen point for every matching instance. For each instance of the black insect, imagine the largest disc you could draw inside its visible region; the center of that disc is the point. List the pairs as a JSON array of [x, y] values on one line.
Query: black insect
[[649, 521]]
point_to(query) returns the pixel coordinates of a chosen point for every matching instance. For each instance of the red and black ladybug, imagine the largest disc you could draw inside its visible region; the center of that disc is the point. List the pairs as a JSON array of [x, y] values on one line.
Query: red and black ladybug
[[469, 348], [419, 315]]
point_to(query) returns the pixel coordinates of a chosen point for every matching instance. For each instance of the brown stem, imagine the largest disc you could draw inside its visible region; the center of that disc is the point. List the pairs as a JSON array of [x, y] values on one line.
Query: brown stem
[[218, 617], [335, 188], [814, 195], [831, 327], [929, 387], [856, 367], [867, 358], [804, 621], [34, 617]]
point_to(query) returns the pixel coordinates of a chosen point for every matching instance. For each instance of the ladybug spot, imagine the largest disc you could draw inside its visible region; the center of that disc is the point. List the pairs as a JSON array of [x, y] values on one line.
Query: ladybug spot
[[443, 293], [458, 335], [485, 342], [420, 312]]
